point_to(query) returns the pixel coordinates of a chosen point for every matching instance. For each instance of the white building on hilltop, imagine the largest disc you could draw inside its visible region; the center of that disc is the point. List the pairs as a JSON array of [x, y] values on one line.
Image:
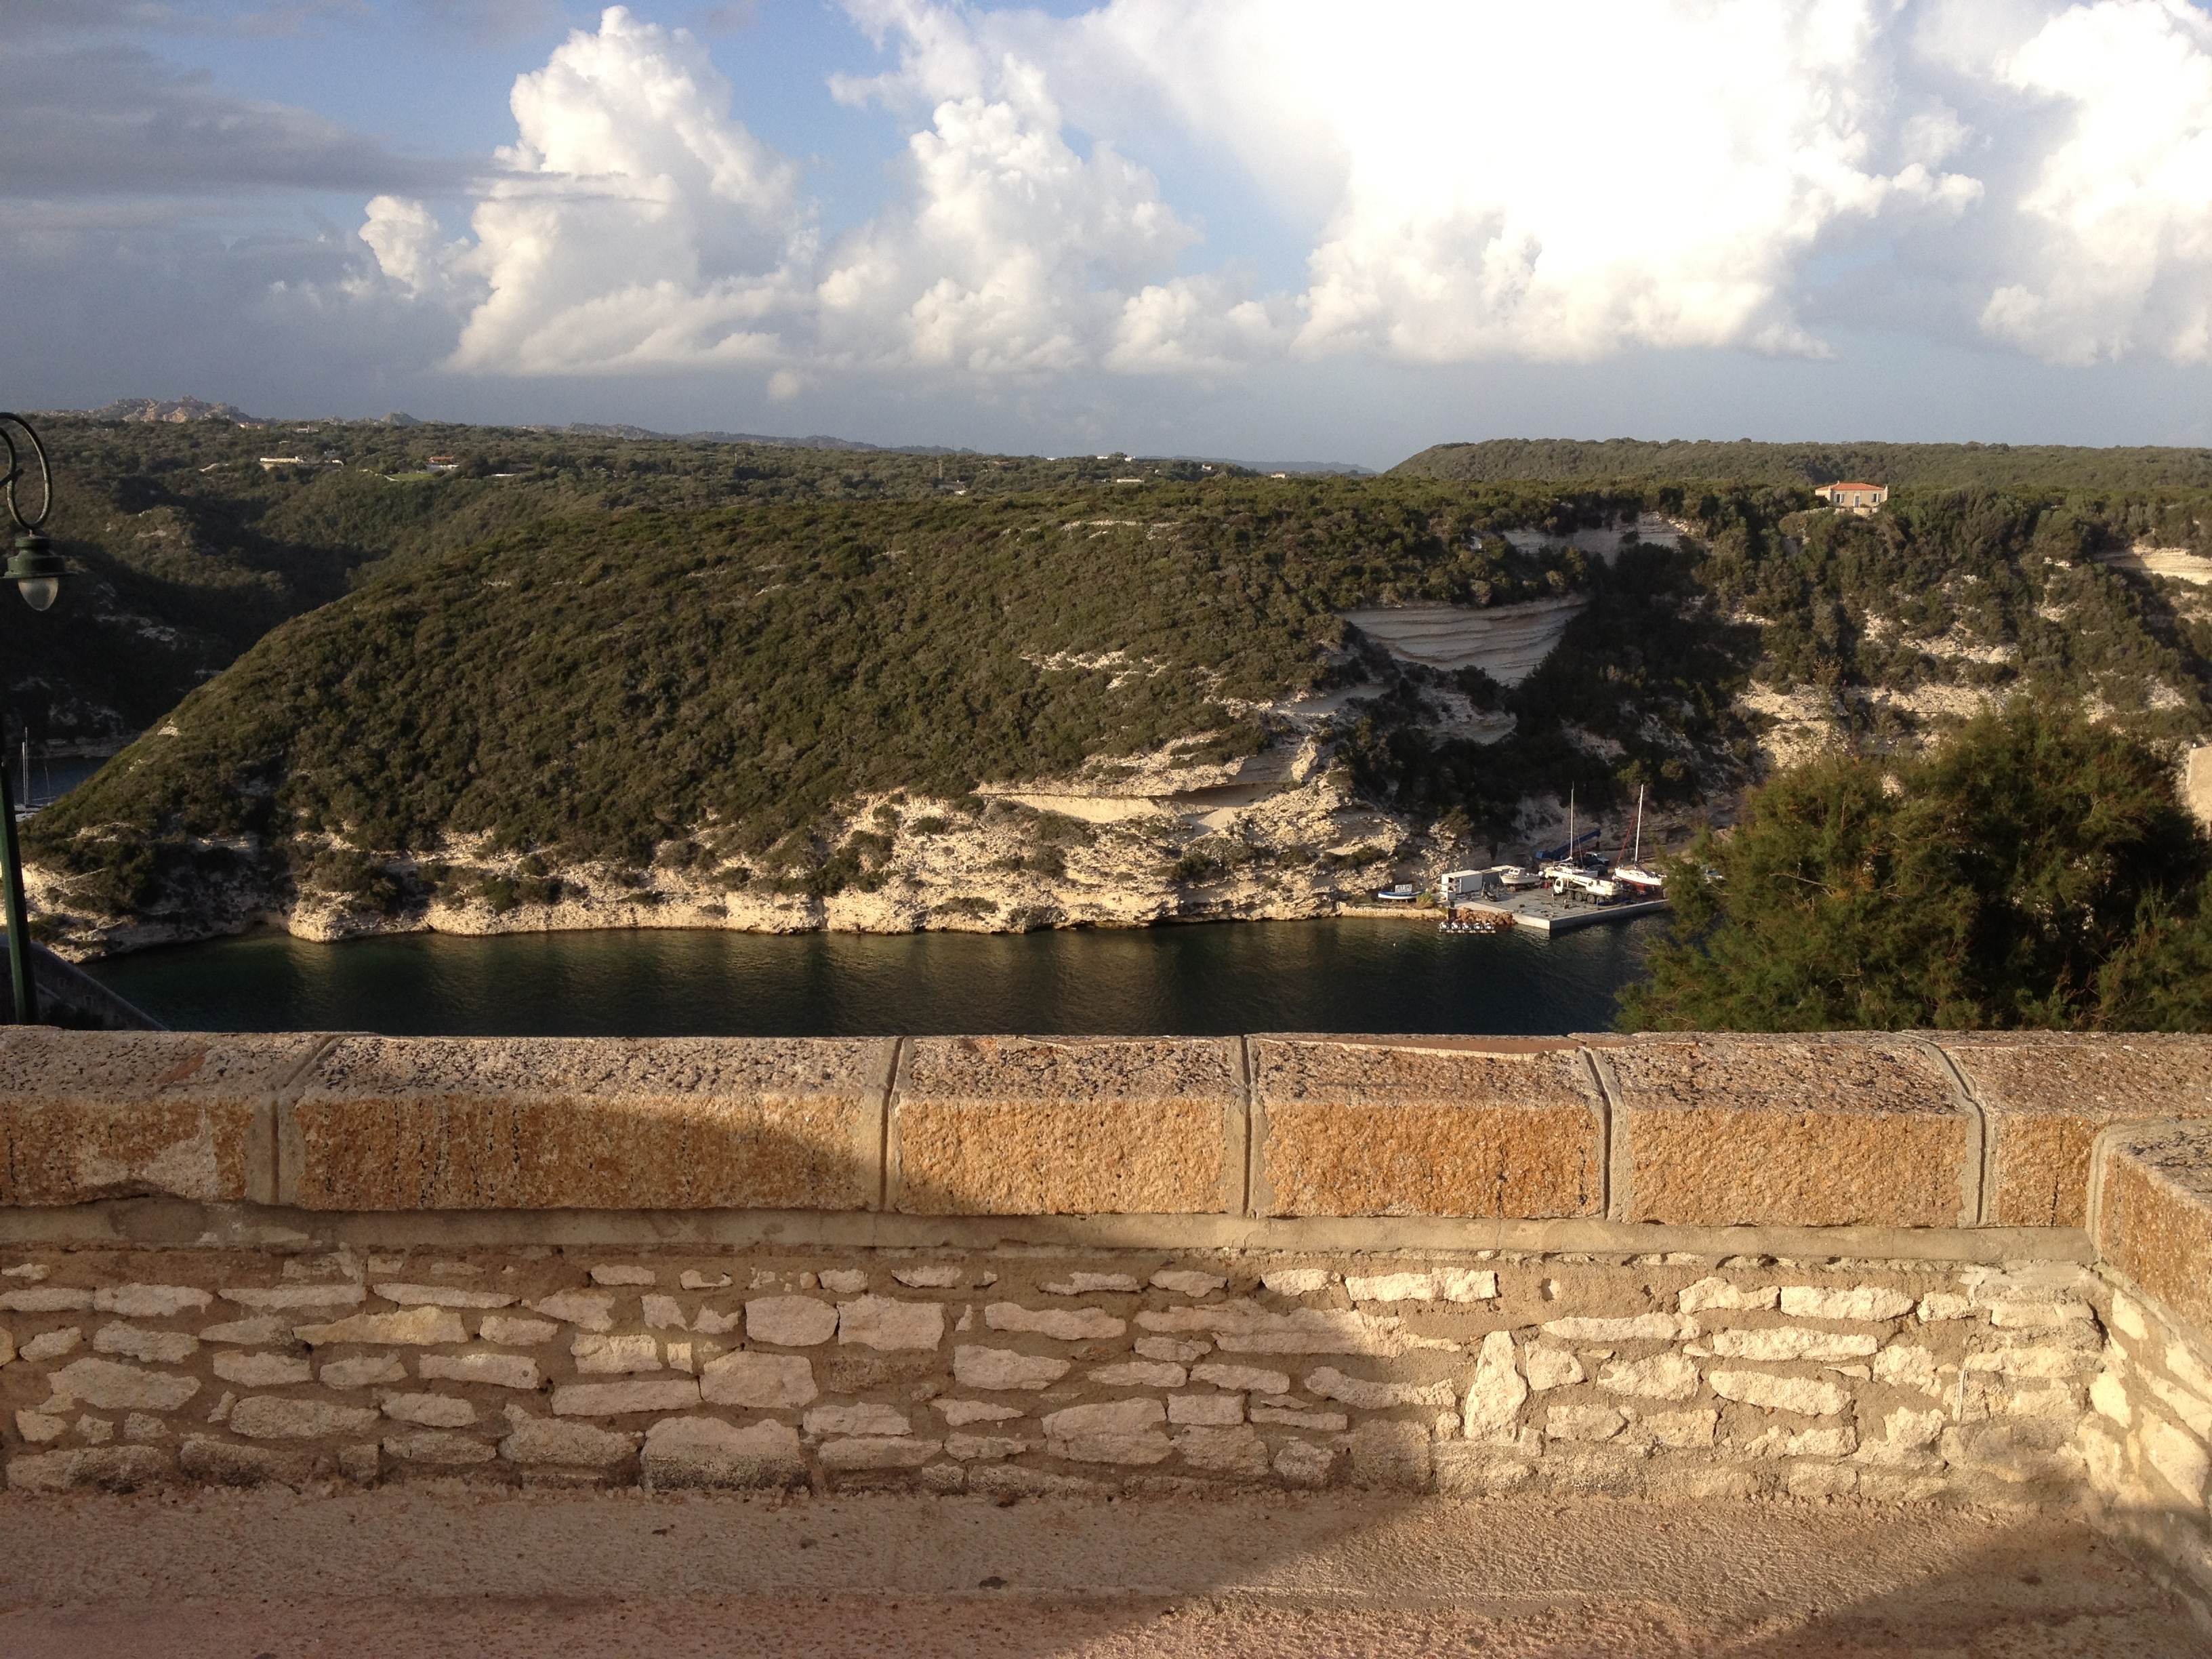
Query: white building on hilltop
[[1860, 498]]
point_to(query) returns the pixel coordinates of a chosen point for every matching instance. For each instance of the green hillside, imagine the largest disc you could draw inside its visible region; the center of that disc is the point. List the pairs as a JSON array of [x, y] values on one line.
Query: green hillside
[[187, 550], [596, 685], [1928, 466], [641, 647]]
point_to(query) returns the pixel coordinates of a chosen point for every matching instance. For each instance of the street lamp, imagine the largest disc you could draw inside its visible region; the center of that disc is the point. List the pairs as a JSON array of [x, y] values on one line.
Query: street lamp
[[36, 570]]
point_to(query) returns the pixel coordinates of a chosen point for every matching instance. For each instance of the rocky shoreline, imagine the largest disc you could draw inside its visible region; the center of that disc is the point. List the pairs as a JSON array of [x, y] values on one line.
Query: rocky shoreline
[[1123, 842], [989, 865]]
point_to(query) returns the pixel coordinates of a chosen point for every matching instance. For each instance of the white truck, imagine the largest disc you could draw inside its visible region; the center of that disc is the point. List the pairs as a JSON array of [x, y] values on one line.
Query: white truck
[[1588, 875]]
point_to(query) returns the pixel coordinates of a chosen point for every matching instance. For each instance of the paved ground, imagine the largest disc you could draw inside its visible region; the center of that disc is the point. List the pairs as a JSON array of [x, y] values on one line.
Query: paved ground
[[420, 1571]]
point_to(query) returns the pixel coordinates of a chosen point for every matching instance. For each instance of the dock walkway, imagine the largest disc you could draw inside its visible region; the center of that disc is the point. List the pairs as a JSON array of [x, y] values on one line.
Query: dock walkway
[[1539, 912]]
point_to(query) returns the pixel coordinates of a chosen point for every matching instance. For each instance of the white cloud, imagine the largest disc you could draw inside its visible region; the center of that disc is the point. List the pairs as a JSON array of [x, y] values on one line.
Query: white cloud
[[2120, 259], [639, 225], [1561, 182], [1543, 230], [1481, 180], [1557, 181], [1197, 324], [1014, 252], [403, 235]]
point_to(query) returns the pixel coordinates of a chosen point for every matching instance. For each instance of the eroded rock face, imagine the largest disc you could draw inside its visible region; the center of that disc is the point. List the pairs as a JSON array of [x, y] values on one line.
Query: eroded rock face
[[1240, 841], [1508, 643]]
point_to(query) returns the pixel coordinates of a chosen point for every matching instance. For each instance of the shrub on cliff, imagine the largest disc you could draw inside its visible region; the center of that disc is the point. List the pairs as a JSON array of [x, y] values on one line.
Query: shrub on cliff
[[2034, 870]]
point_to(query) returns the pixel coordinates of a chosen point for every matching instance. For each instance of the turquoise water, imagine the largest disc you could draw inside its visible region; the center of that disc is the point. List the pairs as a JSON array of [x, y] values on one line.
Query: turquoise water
[[1198, 981]]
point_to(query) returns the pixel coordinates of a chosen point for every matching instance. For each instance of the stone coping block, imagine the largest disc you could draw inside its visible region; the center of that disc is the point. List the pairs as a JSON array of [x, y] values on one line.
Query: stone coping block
[[2045, 1096], [2152, 1214], [1068, 1126], [1822, 1131], [1872, 1131], [1389, 1126], [95, 1114], [552, 1123]]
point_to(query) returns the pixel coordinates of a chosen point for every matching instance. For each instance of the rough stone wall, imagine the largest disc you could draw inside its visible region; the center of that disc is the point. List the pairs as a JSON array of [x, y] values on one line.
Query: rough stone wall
[[1014, 1371], [2147, 1445]]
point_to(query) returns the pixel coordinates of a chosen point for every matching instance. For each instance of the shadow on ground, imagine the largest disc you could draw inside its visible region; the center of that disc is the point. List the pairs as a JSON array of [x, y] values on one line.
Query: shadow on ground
[[409, 1572]]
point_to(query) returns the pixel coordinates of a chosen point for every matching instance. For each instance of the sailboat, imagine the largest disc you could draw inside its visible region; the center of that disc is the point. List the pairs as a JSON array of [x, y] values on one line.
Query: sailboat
[[1633, 873]]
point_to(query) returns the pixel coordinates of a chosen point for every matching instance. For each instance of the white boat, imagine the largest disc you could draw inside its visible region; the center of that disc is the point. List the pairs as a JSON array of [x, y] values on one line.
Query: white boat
[[1403, 893], [1648, 882]]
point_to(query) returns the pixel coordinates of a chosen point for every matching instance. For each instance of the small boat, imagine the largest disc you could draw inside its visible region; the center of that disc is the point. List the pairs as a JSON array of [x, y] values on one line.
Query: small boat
[[1647, 884], [1403, 893]]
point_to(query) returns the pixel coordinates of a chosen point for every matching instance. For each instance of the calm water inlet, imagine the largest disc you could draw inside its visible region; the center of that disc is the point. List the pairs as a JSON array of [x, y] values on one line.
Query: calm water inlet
[[1198, 981]]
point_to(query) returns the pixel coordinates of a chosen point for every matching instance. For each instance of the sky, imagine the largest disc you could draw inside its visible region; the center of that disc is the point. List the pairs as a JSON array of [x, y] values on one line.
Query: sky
[[1265, 229]]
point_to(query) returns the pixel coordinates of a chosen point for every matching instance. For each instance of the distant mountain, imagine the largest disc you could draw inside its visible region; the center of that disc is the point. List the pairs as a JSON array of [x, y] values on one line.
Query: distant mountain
[[171, 409]]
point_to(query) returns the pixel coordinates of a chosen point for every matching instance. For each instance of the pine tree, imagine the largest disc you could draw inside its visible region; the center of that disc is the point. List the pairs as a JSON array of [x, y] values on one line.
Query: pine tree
[[2035, 871]]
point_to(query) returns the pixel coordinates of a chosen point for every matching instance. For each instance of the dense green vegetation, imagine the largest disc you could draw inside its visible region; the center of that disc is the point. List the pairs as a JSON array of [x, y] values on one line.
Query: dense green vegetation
[[601, 683], [187, 550], [1979, 590], [1928, 466], [2035, 870]]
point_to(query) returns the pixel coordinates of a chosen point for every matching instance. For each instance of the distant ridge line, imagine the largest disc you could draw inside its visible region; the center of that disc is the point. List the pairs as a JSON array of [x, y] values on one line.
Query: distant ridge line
[[1956, 466], [817, 440]]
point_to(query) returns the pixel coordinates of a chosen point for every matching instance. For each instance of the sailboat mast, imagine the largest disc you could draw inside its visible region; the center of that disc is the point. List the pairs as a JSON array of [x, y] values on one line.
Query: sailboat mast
[[1639, 825], [1570, 823]]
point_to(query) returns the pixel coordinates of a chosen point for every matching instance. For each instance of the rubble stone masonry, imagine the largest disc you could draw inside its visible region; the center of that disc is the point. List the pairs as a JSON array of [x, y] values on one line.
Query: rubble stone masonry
[[1917, 1268]]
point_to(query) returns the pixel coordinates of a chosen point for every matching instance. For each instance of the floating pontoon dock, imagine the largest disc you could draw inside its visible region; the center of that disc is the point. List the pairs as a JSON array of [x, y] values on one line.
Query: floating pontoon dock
[[1544, 914], [1538, 911]]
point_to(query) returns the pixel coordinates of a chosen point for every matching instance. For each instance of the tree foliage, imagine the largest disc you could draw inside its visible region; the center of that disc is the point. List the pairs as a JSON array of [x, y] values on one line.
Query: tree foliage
[[2034, 870]]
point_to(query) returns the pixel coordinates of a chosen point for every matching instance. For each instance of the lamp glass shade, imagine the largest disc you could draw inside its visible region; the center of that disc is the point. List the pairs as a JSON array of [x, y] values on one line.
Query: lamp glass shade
[[36, 570]]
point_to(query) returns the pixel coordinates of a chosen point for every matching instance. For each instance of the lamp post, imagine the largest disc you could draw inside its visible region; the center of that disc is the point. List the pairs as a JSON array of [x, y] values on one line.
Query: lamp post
[[36, 569]]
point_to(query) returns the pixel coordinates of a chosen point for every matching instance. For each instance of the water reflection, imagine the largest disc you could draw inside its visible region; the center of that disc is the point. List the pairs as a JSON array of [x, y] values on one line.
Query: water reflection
[[1348, 975]]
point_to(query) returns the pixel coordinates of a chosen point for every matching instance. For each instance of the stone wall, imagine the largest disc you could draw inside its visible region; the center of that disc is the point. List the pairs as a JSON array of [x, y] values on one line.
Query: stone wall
[[1962, 1268], [1692, 1131], [2147, 1445], [1039, 1369]]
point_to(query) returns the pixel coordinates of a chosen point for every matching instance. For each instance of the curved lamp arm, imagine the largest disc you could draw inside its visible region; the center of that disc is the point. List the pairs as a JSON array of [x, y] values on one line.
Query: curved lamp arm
[[37, 570], [15, 473]]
